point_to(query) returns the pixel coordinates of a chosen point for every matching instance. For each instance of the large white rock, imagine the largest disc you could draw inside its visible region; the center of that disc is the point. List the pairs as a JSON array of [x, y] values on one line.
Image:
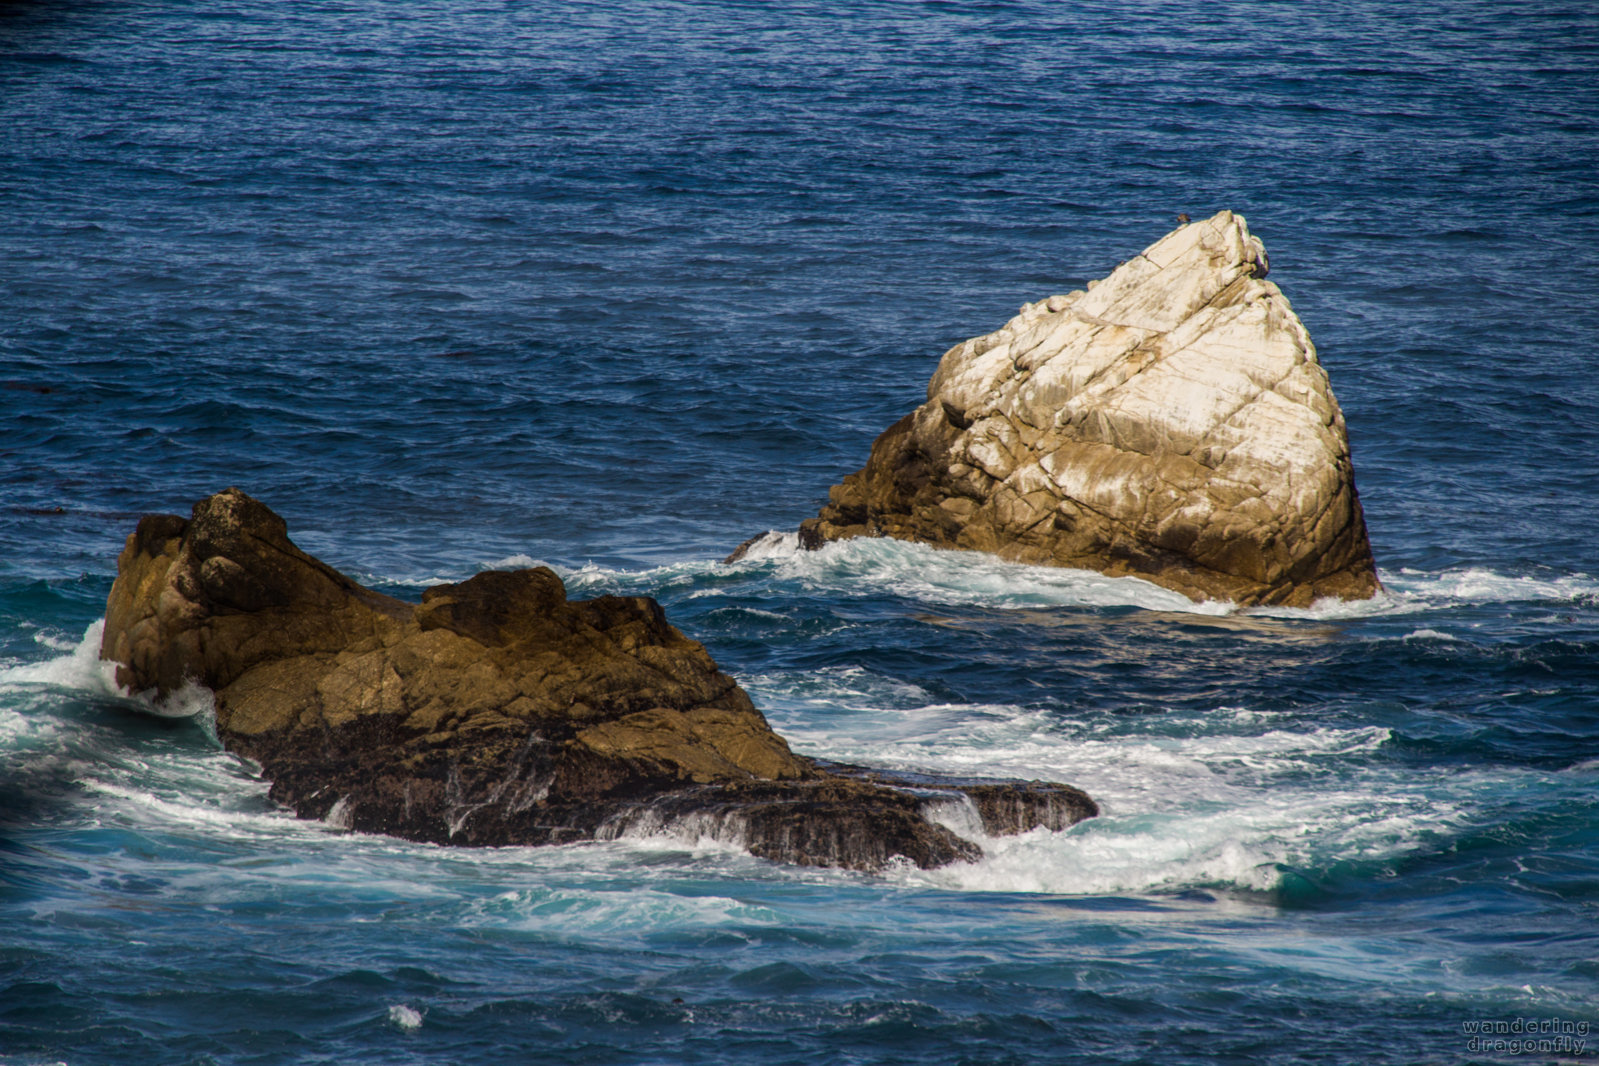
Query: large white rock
[[1171, 422]]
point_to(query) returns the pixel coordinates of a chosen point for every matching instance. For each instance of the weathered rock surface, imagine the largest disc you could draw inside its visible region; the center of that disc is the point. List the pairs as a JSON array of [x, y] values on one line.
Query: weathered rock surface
[[1172, 422], [497, 711]]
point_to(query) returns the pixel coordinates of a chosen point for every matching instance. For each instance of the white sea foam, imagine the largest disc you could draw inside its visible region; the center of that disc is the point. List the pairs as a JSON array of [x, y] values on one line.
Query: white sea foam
[[699, 831], [1408, 591], [1125, 773], [772, 545], [338, 816], [185, 793], [871, 567], [1224, 809], [515, 562], [624, 909], [177, 786], [81, 668], [1234, 798], [55, 640], [874, 567], [84, 671], [18, 731], [1478, 585], [407, 1018], [1238, 812], [1247, 841], [191, 701]]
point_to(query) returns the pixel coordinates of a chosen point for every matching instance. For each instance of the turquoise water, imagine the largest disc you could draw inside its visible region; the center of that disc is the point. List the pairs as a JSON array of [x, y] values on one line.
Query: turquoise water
[[612, 288]]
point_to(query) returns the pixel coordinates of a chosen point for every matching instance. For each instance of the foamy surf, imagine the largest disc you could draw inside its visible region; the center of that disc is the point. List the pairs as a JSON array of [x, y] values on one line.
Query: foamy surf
[[405, 1017], [82, 671], [1233, 798], [81, 668], [1257, 814], [1409, 591], [625, 909], [875, 567], [1251, 843]]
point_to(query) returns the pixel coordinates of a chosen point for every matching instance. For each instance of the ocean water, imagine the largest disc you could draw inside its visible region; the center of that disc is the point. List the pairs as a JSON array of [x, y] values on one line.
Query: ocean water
[[613, 286]]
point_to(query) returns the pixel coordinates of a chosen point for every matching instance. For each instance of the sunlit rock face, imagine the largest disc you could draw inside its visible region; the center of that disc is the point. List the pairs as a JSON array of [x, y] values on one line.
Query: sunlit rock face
[[1171, 422]]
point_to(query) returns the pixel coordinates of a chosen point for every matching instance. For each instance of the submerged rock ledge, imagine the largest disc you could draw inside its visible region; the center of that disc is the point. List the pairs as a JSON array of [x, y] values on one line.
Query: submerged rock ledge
[[497, 711], [1172, 422]]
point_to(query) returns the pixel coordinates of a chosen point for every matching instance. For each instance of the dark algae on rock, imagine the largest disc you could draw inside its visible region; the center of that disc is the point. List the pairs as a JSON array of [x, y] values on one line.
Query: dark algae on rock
[[497, 711]]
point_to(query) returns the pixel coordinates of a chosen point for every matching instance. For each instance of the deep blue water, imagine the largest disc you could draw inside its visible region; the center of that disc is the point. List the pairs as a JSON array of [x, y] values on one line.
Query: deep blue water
[[612, 287]]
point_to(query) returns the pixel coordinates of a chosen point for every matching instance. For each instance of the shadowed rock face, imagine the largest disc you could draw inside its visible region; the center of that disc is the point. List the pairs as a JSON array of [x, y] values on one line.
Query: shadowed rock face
[[1172, 422], [497, 711]]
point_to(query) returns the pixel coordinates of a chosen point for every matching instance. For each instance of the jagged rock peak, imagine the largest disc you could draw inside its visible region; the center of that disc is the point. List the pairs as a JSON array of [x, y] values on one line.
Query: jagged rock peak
[[1171, 421]]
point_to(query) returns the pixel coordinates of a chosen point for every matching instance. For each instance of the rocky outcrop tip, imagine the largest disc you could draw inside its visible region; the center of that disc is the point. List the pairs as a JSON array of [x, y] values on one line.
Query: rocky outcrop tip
[[497, 711], [1170, 422]]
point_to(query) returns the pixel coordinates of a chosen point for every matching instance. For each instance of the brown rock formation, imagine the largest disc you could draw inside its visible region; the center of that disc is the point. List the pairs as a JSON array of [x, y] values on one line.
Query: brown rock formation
[[1172, 422], [496, 711]]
